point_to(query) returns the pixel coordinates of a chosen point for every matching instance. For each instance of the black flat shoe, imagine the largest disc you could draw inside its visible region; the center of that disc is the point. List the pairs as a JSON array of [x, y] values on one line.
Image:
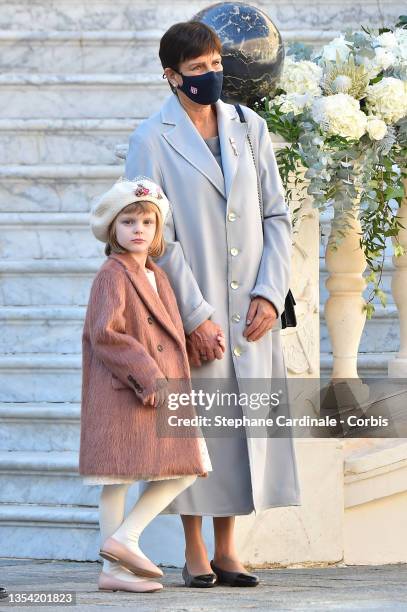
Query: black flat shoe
[[203, 581], [238, 579]]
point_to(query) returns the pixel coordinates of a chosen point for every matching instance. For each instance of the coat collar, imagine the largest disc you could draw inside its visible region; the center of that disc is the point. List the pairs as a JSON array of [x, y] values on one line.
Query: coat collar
[[186, 140], [161, 304]]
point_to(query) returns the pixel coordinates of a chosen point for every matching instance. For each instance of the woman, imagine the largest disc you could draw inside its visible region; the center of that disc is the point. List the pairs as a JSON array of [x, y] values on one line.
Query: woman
[[226, 276]]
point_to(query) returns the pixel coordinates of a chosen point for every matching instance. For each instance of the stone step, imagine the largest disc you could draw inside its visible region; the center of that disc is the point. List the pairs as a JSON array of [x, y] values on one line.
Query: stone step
[[42, 236], [38, 477], [47, 281], [39, 427], [38, 329], [58, 329], [95, 51], [42, 377], [63, 141], [46, 531], [54, 187], [50, 377], [60, 281], [41, 230], [80, 52], [31, 96], [119, 15]]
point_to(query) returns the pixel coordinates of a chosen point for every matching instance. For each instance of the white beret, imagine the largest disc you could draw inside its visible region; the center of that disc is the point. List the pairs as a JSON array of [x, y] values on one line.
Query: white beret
[[124, 192]]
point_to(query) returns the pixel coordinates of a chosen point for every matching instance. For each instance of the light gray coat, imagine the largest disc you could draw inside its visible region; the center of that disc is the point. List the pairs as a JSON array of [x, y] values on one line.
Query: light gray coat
[[217, 260]]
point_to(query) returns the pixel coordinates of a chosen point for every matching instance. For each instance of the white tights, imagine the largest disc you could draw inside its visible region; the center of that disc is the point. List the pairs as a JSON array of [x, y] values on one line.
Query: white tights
[[157, 495]]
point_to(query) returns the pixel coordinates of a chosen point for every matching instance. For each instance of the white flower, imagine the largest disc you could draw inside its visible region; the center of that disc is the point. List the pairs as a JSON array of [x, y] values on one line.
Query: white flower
[[392, 46], [387, 39], [387, 99], [342, 84], [301, 77], [373, 66], [340, 114], [292, 103], [400, 35], [376, 128], [401, 49], [337, 46], [384, 58]]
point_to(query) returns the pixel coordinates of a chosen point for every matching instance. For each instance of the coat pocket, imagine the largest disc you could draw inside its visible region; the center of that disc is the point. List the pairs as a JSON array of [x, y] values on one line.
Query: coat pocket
[[117, 383]]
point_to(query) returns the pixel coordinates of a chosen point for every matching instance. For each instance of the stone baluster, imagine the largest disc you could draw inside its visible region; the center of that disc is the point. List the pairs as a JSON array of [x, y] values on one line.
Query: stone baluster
[[397, 367], [344, 313]]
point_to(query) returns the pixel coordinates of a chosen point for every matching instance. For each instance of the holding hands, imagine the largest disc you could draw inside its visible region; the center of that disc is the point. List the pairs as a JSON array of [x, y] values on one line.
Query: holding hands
[[205, 343]]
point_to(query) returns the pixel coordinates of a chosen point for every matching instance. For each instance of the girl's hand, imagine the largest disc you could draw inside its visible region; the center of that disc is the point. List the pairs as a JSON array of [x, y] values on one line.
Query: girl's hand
[[157, 399], [149, 401]]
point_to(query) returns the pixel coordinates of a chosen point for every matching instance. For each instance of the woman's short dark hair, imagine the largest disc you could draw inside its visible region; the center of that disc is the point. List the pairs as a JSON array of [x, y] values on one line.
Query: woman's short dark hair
[[187, 40]]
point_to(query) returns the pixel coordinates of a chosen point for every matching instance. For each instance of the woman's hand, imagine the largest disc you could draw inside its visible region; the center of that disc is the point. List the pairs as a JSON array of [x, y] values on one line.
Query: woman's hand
[[261, 318]]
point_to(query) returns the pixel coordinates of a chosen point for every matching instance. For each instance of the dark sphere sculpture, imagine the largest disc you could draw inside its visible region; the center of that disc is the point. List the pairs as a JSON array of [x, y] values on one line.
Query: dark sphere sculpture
[[252, 50]]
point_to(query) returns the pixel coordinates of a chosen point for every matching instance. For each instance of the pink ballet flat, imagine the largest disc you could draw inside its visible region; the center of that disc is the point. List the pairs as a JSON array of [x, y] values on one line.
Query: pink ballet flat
[[110, 583], [113, 550]]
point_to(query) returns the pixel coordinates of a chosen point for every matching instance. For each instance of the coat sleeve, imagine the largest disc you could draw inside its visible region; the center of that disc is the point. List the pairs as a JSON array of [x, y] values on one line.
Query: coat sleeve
[[122, 354], [274, 271], [193, 308]]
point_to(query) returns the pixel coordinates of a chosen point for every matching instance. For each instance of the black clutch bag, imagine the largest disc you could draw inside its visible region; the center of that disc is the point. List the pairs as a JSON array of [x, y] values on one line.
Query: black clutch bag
[[288, 318]]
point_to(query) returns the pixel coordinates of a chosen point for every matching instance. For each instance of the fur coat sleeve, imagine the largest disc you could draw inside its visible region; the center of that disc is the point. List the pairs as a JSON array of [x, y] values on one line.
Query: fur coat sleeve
[[118, 350]]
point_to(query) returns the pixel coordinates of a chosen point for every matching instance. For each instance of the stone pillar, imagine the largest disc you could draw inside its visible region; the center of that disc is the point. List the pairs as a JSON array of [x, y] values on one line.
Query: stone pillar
[[344, 312], [397, 367]]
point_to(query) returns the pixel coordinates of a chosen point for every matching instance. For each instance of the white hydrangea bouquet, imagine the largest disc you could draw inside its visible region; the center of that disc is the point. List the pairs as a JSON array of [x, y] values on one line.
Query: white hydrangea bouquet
[[343, 112]]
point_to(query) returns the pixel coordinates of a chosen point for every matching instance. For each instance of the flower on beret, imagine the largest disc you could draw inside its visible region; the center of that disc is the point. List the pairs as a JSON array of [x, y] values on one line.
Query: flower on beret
[[141, 191]]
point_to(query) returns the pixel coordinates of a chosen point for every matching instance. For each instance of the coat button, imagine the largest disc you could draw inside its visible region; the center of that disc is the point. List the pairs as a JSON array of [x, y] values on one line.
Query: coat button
[[150, 320], [234, 284], [234, 252], [236, 318], [232, 216], [138, 387], [160, 348], [237, 351]]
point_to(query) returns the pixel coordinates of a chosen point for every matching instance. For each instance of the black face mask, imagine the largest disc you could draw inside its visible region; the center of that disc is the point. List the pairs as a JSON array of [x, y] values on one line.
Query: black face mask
[[202, 88]]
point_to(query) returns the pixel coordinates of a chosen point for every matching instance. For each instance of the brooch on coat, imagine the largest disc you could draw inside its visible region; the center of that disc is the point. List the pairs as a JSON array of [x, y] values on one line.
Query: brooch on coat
[[233, 143]]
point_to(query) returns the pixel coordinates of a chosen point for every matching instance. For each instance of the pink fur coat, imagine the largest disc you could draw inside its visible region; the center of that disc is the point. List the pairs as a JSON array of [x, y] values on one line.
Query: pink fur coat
[[133, 340]]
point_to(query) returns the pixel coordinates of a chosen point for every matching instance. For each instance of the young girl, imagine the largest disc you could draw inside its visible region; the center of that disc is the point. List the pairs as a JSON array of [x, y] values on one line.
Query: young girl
[[133, 346]]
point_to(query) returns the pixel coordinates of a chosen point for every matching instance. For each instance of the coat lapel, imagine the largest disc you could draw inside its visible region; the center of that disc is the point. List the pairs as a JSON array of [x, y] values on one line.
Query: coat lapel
[[232, 137], [159, 304], [187, 141]]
